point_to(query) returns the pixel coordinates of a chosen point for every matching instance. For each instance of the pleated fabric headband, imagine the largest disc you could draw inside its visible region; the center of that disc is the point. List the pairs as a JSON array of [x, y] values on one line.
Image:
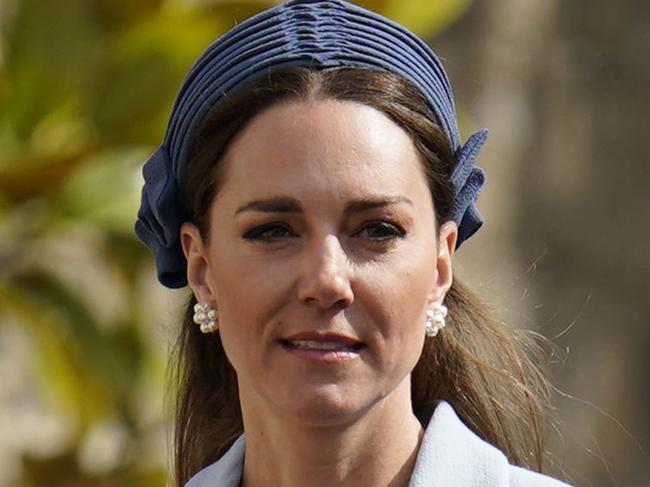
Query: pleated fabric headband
[[315, 34]]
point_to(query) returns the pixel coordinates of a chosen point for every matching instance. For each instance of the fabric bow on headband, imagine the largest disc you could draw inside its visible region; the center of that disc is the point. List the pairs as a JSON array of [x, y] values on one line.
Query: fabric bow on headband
[[310, 33]]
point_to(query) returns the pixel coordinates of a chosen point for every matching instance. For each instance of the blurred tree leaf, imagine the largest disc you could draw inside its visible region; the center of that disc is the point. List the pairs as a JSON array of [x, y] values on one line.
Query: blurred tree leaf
[[424, 17], [69, 358], [38, 177], [51, 48], [105, 191], [115, 15]]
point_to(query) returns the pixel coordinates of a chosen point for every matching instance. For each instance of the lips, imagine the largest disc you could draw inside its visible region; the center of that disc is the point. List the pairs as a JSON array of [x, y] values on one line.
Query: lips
[[321, 346], [322, 342]]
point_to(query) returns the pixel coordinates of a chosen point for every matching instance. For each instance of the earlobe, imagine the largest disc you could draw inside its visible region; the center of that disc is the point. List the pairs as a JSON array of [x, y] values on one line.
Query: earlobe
[[197, 262]]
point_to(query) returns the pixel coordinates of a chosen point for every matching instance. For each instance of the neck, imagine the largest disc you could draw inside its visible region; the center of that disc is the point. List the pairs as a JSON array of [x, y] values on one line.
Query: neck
[[377, 449]]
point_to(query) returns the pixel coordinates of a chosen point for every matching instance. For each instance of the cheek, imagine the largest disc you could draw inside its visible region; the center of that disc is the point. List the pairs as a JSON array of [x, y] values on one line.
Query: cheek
[[248, 294], [240, 280], [399, 291]]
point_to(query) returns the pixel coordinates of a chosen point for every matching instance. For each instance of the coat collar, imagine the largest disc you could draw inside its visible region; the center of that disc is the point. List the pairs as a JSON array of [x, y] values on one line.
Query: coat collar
[[451, 455]]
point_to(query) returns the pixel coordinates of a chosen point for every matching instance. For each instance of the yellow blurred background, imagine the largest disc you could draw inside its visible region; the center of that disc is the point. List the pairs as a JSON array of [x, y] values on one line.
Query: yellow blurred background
[[86, 87]]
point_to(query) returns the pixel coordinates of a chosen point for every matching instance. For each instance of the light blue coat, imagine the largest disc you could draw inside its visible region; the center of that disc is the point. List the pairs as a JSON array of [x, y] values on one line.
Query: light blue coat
[[450, 455]]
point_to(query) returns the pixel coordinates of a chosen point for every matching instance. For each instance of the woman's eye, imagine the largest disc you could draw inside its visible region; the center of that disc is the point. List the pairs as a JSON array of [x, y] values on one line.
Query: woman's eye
[[381, 231], [269, 232]]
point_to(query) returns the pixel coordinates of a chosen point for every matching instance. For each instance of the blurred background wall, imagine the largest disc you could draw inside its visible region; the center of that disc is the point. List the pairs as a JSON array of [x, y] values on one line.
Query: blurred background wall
[[85, 90]]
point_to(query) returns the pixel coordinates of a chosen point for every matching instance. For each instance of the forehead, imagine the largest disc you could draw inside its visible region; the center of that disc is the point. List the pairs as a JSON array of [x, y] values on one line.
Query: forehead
[[337, 148]]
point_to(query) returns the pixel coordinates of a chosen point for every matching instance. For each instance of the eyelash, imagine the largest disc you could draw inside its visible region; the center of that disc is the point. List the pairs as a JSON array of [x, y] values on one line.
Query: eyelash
[[394, 231], [257, 233]]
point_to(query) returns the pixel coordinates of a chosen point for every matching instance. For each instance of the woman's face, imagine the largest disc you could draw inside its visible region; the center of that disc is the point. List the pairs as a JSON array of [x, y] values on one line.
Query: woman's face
[[322, 260]]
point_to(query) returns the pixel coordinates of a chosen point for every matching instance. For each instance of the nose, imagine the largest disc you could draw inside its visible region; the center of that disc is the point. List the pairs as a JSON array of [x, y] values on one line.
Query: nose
[[326, 274]]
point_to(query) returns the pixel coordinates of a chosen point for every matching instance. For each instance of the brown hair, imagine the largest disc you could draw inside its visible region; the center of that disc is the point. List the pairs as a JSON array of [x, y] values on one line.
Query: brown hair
[[486, 371]]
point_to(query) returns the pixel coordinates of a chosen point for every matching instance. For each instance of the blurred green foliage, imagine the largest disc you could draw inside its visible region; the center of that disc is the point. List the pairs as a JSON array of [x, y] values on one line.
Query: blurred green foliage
[[86, 87]]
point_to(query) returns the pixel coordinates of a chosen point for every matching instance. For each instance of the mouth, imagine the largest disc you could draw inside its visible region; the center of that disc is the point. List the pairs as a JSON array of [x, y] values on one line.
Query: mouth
[[325, 346], [322, 347]]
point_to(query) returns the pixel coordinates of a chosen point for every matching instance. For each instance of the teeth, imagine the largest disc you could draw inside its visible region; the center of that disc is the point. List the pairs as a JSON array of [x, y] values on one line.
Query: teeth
[[314, 345]]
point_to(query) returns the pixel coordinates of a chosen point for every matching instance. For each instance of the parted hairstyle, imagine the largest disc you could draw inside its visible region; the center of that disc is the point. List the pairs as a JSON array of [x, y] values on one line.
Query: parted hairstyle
[[489, 373]]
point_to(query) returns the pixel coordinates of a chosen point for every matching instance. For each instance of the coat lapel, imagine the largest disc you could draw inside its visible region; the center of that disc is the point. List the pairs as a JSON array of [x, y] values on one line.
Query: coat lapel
[[451, 455]]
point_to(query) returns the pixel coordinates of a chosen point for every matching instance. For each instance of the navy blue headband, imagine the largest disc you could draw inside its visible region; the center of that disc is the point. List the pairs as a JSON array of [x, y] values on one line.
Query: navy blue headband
[[310, 33]]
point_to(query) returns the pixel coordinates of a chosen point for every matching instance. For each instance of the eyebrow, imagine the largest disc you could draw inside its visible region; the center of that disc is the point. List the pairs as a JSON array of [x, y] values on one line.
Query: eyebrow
[[374, 202], [283, 204]]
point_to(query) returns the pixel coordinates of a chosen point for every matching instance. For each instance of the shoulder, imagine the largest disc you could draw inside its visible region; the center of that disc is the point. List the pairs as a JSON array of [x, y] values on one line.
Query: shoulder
[[225, 472], [453, 455], [520, 477]]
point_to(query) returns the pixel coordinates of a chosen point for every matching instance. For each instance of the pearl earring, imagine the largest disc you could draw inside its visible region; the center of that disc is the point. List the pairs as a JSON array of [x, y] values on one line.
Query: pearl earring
[[206, 317], [435, 319]]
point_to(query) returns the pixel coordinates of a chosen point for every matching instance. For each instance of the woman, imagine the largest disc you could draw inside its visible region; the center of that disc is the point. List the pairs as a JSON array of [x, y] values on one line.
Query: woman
[[312, 190]]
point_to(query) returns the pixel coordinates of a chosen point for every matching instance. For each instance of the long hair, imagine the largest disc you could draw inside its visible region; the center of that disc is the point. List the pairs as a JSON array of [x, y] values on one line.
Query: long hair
[[486, 371]]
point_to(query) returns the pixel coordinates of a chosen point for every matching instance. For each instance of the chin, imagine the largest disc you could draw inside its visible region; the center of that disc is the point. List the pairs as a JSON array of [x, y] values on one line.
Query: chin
[[325, 405]]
